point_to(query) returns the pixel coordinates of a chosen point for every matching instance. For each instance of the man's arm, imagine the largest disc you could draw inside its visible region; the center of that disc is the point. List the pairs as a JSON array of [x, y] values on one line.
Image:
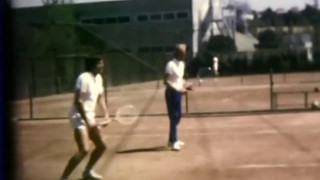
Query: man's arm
[[78, 101], [103, 105]]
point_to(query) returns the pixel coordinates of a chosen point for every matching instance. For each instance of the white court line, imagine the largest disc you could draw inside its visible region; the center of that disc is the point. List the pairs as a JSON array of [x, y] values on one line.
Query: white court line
[[273, 166], [146, 135], [185, 134]]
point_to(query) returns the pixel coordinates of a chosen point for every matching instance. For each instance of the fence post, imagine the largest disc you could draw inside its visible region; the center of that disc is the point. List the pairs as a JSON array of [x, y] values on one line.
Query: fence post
[[31, 89], [306, 99], [187, 103], [271, 89], [31, 100]]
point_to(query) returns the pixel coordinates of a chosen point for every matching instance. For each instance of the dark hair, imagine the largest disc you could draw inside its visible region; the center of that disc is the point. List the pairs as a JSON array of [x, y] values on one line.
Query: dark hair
[[91, 62]]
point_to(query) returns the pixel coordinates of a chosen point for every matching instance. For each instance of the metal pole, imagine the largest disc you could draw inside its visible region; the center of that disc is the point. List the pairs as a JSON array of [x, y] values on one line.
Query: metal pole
[[187, 103], [32, 88], [271, 90], [31, 100], [306, 99]]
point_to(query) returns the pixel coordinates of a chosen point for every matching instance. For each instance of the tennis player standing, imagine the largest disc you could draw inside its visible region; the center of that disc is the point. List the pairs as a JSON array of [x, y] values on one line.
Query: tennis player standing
[[175, 88], [88, 91]]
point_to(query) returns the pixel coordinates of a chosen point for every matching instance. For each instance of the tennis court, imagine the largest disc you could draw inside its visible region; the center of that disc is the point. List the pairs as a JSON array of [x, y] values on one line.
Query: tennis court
[[259, 145]]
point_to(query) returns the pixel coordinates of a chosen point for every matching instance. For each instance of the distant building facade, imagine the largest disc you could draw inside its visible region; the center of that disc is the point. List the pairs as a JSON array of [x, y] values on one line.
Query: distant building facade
[[146, 25], [147, 29]]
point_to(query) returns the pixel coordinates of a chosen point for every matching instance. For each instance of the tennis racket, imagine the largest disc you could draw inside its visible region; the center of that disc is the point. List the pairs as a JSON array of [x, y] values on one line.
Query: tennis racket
[[127, 114]]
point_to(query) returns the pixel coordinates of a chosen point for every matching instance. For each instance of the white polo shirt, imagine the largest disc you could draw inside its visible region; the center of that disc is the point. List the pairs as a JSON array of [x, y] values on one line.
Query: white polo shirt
[[91, 86], [175, 70]]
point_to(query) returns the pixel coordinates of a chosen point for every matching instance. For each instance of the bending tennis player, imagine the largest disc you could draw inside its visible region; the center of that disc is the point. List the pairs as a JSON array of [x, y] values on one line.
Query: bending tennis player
[[175, 88], [88, 91]]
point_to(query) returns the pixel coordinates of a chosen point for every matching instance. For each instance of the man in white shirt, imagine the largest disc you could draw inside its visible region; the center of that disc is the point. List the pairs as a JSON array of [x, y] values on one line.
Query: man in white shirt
[[175, 87], [88, 92]]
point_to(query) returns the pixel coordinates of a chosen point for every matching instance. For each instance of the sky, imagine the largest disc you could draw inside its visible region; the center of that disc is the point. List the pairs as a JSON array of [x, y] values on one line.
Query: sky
[[255, 4]]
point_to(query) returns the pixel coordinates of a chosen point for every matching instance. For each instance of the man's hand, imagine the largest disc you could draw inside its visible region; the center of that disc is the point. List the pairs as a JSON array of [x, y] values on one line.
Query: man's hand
[[91, 124], [182, 90], [188, 86]]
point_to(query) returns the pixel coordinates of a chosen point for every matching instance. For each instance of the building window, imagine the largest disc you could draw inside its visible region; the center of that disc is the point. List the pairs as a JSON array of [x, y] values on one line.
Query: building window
[[98, 21], [143, 49], [169, 49], [155, 17], [156, 49], [86, 21], [168, 16], [182, 15], [124, 19], [142, 18], [111, 20]]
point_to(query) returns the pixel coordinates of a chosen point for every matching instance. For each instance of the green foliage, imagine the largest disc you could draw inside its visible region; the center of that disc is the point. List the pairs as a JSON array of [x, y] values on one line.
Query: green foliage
[[269, 40], [311, 14], [57, 35], [216, 46], [308, 16], [221, 45], [48, 39]]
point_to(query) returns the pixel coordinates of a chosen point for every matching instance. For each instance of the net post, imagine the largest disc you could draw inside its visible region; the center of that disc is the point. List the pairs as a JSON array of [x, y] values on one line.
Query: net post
[[306, 99], [30, 100], [187, 103], [32, 88], [271, 89]]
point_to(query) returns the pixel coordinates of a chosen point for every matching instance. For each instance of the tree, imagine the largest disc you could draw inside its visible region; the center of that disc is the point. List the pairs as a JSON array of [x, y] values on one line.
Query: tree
[[216, 46], [49, 39], [311, 14], [221, 45], [57, 34], [269, 40]]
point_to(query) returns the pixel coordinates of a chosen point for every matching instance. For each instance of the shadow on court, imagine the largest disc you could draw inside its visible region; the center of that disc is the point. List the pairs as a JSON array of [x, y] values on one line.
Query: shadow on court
[[142, 150]]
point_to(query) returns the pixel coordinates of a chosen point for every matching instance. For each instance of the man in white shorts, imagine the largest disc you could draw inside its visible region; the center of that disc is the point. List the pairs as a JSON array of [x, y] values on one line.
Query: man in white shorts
[[88, 92]]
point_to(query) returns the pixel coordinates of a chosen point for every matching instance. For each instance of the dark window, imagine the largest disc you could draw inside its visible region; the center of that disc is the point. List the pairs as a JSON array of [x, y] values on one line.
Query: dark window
[[156, 49], [182, 15], [124, 19], [168, 16], [88, 21], [98, 21], [169, 49], [155, 17], [143, 49], [142, 18], [111, 20]]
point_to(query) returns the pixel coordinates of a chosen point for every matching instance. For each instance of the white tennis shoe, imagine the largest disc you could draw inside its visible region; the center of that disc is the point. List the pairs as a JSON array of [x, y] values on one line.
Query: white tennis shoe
[[181, 143], [176, 146], [91, 175]]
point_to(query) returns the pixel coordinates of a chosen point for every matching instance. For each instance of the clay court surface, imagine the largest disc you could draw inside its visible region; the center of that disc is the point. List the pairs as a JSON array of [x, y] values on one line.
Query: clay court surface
[[249, 146]]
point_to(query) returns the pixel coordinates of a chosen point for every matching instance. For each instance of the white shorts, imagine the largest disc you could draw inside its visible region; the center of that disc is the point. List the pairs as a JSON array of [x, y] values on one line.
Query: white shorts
[[78, 123]]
